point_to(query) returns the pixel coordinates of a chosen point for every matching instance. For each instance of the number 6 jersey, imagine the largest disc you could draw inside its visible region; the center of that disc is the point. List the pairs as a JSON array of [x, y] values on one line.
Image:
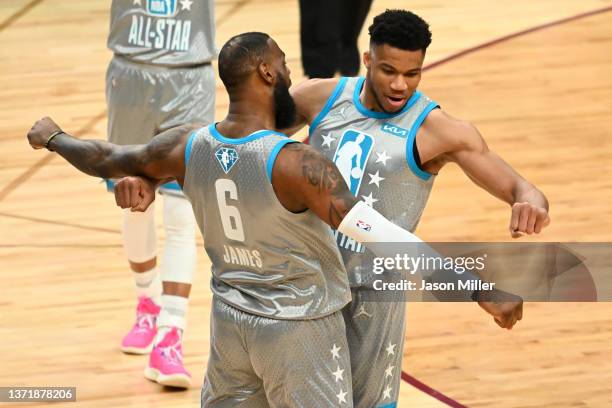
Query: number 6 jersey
[[265, 260]]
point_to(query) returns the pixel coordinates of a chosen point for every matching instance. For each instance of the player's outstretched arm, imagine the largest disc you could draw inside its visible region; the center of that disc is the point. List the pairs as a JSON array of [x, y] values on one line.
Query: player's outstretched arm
[[161, 158], [464, 145], [304, 179]]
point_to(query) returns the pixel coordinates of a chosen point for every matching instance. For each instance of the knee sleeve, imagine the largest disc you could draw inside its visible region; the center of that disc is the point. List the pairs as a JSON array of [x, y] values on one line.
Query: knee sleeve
[[179, 259], [139, 237]]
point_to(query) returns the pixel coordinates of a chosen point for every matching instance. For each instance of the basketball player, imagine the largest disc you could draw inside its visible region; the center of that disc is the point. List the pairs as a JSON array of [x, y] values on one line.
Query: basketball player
[[160, 77], [279, 284], [404, 139]]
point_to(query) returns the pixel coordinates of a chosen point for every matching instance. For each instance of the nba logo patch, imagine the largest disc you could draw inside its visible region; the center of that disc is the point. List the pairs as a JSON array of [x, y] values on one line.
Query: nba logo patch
[[227, 157], [351, 157], [161, 8], [364, 225]]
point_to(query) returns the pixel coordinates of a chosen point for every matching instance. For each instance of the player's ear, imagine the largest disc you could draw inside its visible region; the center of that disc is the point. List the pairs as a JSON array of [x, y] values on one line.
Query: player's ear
[[265, 72], [367, 59]]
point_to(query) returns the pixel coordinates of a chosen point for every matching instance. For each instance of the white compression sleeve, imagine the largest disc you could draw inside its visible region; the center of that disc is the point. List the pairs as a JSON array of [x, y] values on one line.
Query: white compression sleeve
[[179, 260], [139, 236], [365, 224]]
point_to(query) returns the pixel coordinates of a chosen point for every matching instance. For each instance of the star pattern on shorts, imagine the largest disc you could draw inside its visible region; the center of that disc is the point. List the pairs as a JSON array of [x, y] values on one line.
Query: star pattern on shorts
[[388, 371], [382, 158], [375, 178], [335, 351], [186, 4], [338, 374], [328, 140], [341, 396], [387, 393], [369, 199], [391, 349]]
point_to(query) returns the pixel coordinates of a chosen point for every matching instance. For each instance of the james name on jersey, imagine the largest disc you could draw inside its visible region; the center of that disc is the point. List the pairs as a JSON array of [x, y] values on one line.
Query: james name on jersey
[[158, 29], [242, 256]]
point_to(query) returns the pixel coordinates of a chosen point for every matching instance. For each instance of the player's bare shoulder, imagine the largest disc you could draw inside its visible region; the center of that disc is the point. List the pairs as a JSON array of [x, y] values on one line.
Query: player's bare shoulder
[[443, 134], [310, 96]]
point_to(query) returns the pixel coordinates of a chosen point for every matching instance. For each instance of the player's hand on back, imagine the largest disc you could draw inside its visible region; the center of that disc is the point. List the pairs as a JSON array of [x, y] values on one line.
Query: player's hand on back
[[527, 219], [135, 193], [41, 131]]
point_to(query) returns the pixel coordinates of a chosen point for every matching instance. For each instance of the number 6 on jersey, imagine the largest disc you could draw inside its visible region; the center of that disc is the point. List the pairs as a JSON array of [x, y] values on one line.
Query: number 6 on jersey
[[230, 216]]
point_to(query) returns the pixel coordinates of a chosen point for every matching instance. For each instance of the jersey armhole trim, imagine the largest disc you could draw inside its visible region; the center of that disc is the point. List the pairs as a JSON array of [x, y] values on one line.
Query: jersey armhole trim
[[411, 141], [272, 158], [328, 105], [188, 149]]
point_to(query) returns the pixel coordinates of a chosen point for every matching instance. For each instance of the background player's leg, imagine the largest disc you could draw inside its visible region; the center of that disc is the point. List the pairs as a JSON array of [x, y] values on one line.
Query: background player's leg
[[139, 242], [130, 122], [320, 34], [178, 265], [375, 334], [353, 16]]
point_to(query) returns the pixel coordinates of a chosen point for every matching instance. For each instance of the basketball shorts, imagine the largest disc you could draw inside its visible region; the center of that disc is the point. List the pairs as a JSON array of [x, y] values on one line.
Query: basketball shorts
[[144, 100]]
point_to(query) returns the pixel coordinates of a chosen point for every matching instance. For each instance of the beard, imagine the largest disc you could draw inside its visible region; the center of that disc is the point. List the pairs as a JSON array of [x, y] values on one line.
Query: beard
[[284, 106]]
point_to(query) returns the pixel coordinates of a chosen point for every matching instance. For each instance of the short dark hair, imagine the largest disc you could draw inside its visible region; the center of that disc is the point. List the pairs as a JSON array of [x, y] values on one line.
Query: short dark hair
[[400, 29], [240, 56]]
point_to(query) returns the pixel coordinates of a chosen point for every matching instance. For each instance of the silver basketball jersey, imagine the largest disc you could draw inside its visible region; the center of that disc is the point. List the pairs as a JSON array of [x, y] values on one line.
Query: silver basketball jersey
[[265, 259], [163, 32], [374, 153]]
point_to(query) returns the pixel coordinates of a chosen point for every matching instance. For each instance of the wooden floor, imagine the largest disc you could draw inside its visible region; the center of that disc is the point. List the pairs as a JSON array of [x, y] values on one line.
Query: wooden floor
[[542, 100]]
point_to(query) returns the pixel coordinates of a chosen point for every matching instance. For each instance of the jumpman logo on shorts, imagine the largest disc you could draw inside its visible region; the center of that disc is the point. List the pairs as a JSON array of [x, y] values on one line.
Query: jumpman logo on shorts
[[362, 312]]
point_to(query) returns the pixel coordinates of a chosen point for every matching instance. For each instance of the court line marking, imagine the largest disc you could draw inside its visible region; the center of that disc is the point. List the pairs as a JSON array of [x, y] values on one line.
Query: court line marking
[[18, 14], [62, 223]]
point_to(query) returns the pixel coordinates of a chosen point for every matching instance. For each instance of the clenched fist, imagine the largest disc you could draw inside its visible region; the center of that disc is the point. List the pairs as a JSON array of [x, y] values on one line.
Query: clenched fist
[[135, 193], [506, 308], [41, 131], [527, 219]]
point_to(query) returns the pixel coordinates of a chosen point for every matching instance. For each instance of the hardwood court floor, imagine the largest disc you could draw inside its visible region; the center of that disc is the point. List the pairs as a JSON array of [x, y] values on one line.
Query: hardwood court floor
[[543, 101]]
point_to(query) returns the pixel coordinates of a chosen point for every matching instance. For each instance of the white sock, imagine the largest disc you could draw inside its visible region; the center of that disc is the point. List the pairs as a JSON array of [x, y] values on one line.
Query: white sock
[[173, 314], [148, 284]]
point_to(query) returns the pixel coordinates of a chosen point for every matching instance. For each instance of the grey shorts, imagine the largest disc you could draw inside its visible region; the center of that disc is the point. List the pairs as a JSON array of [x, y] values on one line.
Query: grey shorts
[[375, 334], [144, 100], [261, 362]]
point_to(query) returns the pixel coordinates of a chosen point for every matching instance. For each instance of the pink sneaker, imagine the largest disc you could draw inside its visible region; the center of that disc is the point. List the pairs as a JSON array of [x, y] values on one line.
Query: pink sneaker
[[140, 338], [166, 362]]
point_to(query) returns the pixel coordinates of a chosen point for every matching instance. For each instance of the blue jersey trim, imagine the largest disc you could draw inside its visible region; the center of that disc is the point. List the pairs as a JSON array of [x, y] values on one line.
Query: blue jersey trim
[[110, 185], [389, 405], [241, 140], [328, 105], [411, 138], [274, 153], [173, 185], [380, 115], [188, 149]]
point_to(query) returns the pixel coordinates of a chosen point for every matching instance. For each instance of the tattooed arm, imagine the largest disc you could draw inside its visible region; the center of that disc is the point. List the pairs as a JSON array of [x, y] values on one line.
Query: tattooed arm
[[305, 179], [162, 158]]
